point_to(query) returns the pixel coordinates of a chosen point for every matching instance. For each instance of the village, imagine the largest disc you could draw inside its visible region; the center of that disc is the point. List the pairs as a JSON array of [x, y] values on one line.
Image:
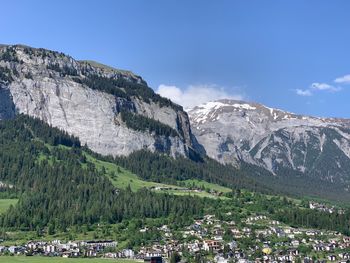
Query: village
[[257, 239]]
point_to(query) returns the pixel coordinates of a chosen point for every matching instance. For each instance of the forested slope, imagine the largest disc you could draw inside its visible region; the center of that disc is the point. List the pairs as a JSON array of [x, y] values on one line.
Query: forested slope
[[58, 187]]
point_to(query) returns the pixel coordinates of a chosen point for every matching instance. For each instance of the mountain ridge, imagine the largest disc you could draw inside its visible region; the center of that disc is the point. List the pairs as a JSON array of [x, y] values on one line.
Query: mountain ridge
[[236, 131]]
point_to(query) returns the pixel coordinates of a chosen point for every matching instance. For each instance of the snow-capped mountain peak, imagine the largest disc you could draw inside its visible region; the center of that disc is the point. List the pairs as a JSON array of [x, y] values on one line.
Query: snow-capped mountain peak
[[233, 131]]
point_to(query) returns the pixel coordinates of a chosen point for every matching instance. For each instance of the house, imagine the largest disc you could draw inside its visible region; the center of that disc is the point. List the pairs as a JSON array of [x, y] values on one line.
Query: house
[[239, 255], [236, 233], [295, 243], [293, 252], [49, 248], [285, 258], [312, 233], [128, 253], [212, 245], [218, 238], [91, 253], [330, 247], [332, 258], [318, 247], [111, 255], [233, 245], [194, 247], [13, 249], [346, 239], [218, 232], [98, 245], [344, 256], [297, 232], [279, 232], [2, 249], [220, 259]]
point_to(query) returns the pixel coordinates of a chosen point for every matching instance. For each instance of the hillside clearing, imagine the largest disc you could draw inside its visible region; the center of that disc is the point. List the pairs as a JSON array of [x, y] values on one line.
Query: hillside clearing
[[6, 203]]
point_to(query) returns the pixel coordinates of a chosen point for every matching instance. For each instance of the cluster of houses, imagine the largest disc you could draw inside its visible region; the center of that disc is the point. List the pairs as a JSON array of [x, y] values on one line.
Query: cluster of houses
[[218, 240], [194, 189], [58, 248], [273, 243], [324, 208]]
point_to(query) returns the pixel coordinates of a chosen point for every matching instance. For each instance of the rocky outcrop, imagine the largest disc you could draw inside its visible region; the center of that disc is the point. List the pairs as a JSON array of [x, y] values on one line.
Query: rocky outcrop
[[54, 87]]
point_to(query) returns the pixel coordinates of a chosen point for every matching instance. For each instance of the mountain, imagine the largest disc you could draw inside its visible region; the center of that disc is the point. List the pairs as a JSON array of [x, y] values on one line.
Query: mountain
[[119, 117], [113, 111], [284, 143]]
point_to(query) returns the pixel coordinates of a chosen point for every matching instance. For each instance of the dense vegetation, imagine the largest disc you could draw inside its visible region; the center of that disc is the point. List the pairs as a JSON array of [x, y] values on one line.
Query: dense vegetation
[[315, 219], [58, 188], [141, 123]]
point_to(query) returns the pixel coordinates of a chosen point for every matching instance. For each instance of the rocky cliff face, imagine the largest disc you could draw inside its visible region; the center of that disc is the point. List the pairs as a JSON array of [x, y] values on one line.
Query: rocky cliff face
[[279, 141], [86, 99]]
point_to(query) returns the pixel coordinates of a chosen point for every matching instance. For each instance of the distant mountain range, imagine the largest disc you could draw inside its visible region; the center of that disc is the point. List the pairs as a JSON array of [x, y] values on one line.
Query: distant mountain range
[[281, 142]]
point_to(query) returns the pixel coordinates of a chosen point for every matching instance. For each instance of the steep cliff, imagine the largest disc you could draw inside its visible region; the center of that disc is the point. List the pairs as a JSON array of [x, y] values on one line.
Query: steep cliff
[[88, 99]]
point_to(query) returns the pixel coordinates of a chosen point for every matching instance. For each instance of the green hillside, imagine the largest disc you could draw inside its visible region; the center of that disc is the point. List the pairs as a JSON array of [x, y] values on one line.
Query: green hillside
[[122, 178]]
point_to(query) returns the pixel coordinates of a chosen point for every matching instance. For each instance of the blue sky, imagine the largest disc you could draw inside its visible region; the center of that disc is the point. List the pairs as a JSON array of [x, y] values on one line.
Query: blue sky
[[285, 54]]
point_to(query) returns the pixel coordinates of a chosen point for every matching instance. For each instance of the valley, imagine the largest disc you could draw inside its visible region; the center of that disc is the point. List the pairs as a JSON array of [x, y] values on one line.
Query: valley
[[95, 164]]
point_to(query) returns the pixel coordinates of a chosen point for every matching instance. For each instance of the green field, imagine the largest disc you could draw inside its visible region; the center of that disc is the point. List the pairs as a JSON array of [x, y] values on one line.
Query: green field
[[207, 185], [38, 259], [5, 204]]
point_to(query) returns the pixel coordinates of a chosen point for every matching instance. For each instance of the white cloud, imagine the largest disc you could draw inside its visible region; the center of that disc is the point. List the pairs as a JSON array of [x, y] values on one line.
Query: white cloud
[[344, 79], [304, 93], [195, 94], [315, 87], [324, 86]]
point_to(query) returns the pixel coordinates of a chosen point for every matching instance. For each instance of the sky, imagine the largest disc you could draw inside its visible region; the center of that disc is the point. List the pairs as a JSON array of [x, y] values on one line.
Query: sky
[[291, 54]]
